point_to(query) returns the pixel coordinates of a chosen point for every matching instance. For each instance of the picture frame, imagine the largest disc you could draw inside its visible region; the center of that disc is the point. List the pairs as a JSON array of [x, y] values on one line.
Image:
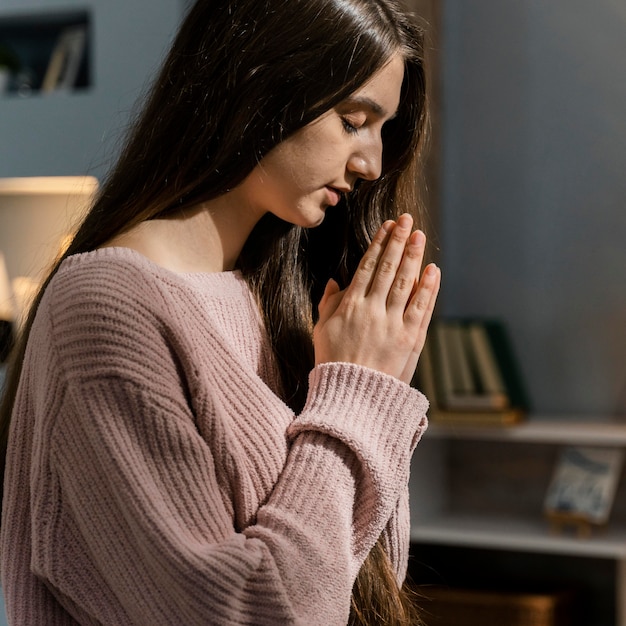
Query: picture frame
[[583, 485]]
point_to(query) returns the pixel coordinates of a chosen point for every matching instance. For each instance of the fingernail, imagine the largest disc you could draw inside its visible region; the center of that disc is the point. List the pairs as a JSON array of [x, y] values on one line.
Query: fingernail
[[419, 238], [388, 226], [431, 270], [405, 221]]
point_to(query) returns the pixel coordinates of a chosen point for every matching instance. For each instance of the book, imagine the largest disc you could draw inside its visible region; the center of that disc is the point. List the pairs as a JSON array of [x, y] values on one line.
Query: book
[[486, 363], [468, 372], [66, 59]]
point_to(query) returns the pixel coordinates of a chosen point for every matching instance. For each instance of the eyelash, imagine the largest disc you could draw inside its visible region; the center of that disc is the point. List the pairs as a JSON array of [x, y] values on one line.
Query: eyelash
[[351, 129]]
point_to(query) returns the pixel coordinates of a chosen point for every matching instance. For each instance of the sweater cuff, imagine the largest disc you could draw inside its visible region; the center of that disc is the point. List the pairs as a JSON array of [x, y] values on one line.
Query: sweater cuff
[[376, 415]]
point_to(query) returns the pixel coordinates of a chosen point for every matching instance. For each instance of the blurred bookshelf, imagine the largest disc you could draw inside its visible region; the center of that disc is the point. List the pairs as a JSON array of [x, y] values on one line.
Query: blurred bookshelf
[[478, 488], [45, 52], [481, 475]]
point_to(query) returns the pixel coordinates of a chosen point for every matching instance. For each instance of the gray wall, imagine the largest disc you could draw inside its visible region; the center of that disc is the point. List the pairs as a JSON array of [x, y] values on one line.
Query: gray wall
[[534, 189]]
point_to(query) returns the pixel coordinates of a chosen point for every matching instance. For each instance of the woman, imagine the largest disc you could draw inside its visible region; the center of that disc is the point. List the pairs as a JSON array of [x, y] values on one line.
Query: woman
[[193, 439]]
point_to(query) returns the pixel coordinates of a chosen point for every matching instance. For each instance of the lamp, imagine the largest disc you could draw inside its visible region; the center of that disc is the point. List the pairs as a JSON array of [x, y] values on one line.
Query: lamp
[[38, 216]]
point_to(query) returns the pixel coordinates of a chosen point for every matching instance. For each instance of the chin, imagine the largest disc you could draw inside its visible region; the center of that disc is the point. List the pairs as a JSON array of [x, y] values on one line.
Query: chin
[[310, 219], [307, 215], [314, 222]]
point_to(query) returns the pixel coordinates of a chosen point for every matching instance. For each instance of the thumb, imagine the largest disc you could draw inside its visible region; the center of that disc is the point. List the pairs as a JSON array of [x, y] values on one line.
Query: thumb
[[332, 288]]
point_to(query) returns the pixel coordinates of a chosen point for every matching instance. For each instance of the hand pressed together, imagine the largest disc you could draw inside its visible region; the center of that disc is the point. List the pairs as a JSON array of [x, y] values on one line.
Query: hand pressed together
[[380, 320]]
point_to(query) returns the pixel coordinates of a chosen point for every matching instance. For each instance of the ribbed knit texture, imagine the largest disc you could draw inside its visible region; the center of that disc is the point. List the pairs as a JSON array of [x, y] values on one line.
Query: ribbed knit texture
[[155, 478]]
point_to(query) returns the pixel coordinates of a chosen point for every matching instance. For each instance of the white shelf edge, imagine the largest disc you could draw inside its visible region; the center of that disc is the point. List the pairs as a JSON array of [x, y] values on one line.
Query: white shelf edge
[[555, 430], [529, 535]]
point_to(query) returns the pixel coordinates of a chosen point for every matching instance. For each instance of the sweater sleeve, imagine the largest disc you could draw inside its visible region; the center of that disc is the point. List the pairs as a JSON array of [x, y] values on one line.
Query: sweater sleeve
[[397, 537], [137, 492]]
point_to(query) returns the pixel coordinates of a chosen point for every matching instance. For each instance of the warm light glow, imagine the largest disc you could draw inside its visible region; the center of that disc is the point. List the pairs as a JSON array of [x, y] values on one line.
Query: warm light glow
[[24, 292], [38, 216], [6, 293]]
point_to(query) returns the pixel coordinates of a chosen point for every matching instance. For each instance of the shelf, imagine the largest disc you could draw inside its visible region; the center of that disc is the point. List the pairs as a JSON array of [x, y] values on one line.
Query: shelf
[[515, 534], [553, 430], [51, 49]]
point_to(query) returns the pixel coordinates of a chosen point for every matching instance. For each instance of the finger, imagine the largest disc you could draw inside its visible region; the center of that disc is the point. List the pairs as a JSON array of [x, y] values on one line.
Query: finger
[[422, 305], [407, 277], [325, 307], [420, 311], [391, 258], [362, 279]]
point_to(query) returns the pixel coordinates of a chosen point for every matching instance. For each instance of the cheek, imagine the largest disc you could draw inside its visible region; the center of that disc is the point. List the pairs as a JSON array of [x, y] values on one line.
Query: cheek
[[301, 164], [296, 172]]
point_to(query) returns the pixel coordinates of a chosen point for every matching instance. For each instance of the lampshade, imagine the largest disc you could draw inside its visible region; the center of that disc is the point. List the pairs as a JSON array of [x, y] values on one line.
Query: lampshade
[[37, 216]]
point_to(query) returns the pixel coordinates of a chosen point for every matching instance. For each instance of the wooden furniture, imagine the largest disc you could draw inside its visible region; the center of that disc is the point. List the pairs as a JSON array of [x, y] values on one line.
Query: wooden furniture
[[483, 489], [430, 12], [441, 606]]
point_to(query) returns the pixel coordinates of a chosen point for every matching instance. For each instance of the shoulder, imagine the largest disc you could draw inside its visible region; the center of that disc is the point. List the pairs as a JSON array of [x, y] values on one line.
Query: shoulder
[[109, 275], [114, 313], [101, 309]]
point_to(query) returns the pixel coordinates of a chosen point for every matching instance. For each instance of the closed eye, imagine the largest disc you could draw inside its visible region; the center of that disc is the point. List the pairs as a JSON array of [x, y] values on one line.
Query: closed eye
[[348, 126]]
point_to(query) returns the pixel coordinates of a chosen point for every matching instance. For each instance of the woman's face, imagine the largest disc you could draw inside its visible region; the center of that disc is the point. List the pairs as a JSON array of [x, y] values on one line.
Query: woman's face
[[305, 174]]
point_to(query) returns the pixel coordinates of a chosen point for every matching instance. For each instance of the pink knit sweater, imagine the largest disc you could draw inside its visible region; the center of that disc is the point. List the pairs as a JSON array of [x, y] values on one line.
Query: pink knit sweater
[[154, 476]]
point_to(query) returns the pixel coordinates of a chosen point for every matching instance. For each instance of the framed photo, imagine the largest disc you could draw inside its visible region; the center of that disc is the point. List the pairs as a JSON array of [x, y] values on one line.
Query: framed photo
[[584, 483]]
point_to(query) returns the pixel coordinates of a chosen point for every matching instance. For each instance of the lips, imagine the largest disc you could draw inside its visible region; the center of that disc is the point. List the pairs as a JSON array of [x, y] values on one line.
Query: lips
[[334, 195], [338, 192]]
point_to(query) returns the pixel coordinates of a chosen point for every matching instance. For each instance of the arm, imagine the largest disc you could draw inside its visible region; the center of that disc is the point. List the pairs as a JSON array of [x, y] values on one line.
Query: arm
[[148, 506], [397, 536]]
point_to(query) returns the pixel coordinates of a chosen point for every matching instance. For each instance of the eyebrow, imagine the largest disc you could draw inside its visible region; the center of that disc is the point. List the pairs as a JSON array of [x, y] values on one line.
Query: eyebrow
[[370, 104]]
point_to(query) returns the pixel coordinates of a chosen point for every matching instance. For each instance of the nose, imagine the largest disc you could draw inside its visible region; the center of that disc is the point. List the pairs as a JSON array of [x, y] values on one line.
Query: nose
[[367, 162]]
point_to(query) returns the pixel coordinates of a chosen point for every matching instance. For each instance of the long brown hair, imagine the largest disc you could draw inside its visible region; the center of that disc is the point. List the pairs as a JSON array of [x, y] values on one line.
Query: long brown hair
[[241, 76]]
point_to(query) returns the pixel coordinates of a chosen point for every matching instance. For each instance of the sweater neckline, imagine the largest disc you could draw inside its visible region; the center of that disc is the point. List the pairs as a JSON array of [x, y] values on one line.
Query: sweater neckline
[[129, 255]]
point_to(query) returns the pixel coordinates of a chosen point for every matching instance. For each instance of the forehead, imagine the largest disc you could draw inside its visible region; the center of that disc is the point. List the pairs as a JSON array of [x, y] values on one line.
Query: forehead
[[382, 91]]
